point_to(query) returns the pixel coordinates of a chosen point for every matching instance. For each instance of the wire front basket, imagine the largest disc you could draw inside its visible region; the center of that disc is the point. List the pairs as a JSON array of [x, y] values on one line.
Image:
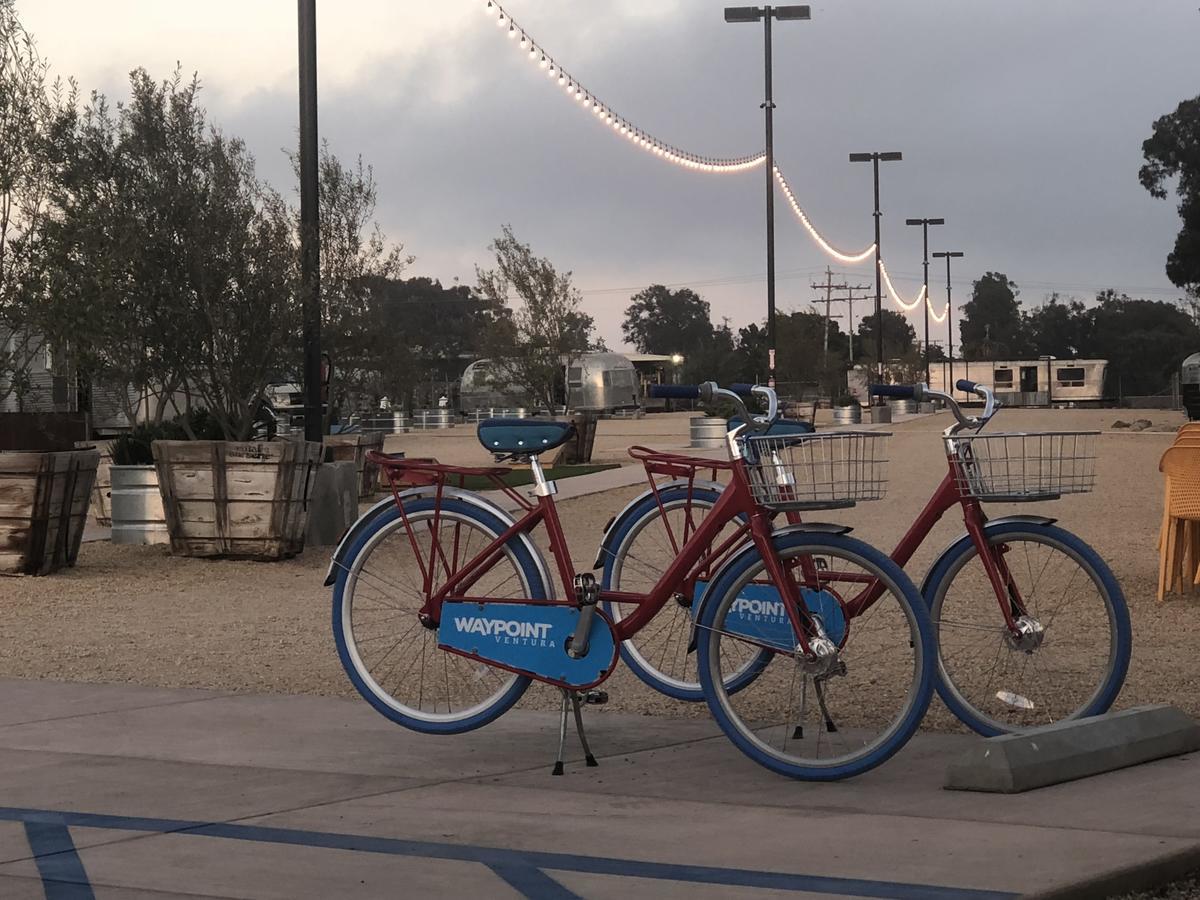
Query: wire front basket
[[817, 471], [1024, 466]]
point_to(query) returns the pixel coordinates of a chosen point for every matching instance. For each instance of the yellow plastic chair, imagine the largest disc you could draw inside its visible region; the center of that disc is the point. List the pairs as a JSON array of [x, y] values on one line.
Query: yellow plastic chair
[[1179, 552]]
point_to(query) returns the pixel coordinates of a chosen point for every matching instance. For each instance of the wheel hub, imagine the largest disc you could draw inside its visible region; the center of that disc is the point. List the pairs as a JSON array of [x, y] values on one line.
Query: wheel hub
[[822, 659], [1026, 635]]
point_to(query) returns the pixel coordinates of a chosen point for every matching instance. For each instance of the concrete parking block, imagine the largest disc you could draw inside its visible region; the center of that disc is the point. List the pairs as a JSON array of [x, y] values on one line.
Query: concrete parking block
[[1066, 751]]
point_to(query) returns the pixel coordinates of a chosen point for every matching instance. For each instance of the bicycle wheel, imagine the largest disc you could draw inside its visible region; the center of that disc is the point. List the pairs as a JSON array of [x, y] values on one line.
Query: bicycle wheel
[[391, 657], [834, 717], [1072, 662], [635, 555]]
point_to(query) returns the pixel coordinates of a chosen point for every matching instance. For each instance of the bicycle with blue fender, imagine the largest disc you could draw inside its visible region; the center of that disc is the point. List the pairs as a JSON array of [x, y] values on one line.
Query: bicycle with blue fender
[[444, 610], [1032, 627]]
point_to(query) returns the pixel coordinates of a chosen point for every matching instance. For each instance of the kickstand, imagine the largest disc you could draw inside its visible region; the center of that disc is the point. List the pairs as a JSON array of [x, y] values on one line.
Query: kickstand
[[562, 734], [820, 691], [587, 751], [572, 700]]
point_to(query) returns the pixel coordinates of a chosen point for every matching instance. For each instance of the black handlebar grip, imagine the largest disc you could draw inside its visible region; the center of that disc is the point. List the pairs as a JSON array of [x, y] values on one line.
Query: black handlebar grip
[[742, 389], [675, 391], [900, 391], [966, 386]]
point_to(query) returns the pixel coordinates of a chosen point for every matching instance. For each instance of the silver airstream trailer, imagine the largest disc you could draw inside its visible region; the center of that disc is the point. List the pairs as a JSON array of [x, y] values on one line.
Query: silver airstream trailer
[[603, 382], [1029, 382], [1189, 383], [479, 390]]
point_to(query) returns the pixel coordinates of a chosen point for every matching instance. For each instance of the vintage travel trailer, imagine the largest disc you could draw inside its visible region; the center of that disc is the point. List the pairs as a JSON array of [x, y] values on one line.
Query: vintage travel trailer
[[1029, 382]]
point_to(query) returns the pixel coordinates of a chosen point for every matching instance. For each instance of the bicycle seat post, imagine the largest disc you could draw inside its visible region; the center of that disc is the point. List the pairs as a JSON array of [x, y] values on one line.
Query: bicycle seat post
[[542, 486]]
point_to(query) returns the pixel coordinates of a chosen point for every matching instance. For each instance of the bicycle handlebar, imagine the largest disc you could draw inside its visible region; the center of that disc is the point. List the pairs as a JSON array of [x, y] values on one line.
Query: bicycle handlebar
[[676, 391], [899, 391], [709, 390], [967, 387]]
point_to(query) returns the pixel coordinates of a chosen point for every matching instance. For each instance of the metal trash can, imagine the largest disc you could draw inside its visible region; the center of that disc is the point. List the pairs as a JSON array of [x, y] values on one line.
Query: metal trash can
[[903, 407]]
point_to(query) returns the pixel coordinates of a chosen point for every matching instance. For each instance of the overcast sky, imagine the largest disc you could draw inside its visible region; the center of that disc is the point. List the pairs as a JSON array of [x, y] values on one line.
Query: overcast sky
[[1020, 122]]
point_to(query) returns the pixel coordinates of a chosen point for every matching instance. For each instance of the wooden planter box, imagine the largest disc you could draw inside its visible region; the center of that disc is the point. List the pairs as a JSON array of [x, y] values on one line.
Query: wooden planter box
[[354, 448], [102, 491], [44, 499], [246, 501]]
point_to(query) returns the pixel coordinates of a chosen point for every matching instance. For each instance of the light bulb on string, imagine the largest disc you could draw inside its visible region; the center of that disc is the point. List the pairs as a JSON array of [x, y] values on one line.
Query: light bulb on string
[[500, 21], [512, 33], [524, 41], [562, 79]]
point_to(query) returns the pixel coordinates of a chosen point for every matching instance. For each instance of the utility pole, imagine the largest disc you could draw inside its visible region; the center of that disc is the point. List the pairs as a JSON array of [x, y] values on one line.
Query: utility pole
[[850, 298], [925, 223], [948, 255], [829, 287]]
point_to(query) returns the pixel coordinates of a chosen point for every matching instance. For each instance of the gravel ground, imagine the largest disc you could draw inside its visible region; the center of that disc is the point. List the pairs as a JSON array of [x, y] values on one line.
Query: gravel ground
[[138, 615], [1185, 889]]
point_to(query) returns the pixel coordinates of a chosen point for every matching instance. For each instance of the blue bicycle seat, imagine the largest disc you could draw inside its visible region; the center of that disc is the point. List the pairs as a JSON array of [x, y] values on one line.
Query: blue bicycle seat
[[523, 435], [779, 427]]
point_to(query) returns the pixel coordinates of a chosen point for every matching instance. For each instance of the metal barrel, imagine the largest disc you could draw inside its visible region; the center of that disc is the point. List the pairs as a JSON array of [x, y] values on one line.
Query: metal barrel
[[903, 407], [137, 507], [708, 431]]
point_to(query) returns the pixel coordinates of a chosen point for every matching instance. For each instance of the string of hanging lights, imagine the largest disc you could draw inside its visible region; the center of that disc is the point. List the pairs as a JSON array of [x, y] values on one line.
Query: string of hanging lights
[[648, 142], [939, 319]]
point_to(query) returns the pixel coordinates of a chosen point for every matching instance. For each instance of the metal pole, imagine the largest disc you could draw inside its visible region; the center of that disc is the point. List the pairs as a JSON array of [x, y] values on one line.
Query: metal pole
[[769, 106], [925, 251], [310, 243], [878, 279], [950, 324]]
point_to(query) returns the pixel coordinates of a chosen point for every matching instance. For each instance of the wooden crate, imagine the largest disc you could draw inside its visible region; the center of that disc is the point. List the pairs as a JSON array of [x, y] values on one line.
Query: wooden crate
[[102, 491], [44, 499], [354, 447], [245, 501]]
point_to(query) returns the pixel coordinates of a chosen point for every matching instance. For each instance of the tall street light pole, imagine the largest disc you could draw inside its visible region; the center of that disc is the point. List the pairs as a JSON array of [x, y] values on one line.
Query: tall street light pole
[[310, 235], [925, 223], [766, 14], [874, 159], [949, 255]]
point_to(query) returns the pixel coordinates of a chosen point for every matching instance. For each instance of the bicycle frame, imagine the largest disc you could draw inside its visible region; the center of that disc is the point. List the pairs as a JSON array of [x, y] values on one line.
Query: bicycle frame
[[735, 502]]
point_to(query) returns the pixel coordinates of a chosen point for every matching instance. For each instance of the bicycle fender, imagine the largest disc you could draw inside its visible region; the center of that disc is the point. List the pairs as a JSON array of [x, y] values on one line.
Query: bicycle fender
[[616, 521], [338, 560], [1035, 521]]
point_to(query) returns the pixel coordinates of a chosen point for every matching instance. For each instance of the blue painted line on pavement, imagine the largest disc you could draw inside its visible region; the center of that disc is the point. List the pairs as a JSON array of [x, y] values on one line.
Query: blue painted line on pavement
[[498, 856], [532, 883], [63, 875]]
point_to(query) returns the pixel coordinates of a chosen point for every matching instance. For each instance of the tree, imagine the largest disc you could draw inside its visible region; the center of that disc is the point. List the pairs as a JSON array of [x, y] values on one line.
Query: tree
[[29, 114], [1173, 149], [659, 320], [440, 330], [1056, 328], [355, 257], [991, 320], [545, 331], [1144, 341], [899, 336], [174, 264]]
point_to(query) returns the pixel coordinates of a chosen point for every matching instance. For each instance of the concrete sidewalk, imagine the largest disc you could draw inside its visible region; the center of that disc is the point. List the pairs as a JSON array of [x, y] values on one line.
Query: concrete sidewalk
[[127, 792]]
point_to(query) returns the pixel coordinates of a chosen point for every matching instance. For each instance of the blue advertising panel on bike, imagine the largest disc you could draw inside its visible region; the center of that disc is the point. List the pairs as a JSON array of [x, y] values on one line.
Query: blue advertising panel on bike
[[528, 637], [758, 613]]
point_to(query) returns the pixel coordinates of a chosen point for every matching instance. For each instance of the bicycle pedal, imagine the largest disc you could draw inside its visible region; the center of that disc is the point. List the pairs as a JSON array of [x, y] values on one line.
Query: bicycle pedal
[[595, 698], [587, 589]]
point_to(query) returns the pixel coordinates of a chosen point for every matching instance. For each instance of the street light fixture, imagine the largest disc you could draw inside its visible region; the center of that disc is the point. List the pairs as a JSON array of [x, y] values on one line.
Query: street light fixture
[[875, 159], [949, 255], [925, 223], [742, 14]]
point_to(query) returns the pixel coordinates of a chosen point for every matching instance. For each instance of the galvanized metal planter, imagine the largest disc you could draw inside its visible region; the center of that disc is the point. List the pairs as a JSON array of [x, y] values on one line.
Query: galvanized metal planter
[[137, 507], [44, 499], [847, 415], [708, 431], [227, 499], [354, 448]]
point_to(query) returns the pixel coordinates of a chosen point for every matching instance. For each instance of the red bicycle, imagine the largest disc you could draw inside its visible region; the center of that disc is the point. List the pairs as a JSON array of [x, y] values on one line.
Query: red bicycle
[[444, 611], [1031, 625]]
